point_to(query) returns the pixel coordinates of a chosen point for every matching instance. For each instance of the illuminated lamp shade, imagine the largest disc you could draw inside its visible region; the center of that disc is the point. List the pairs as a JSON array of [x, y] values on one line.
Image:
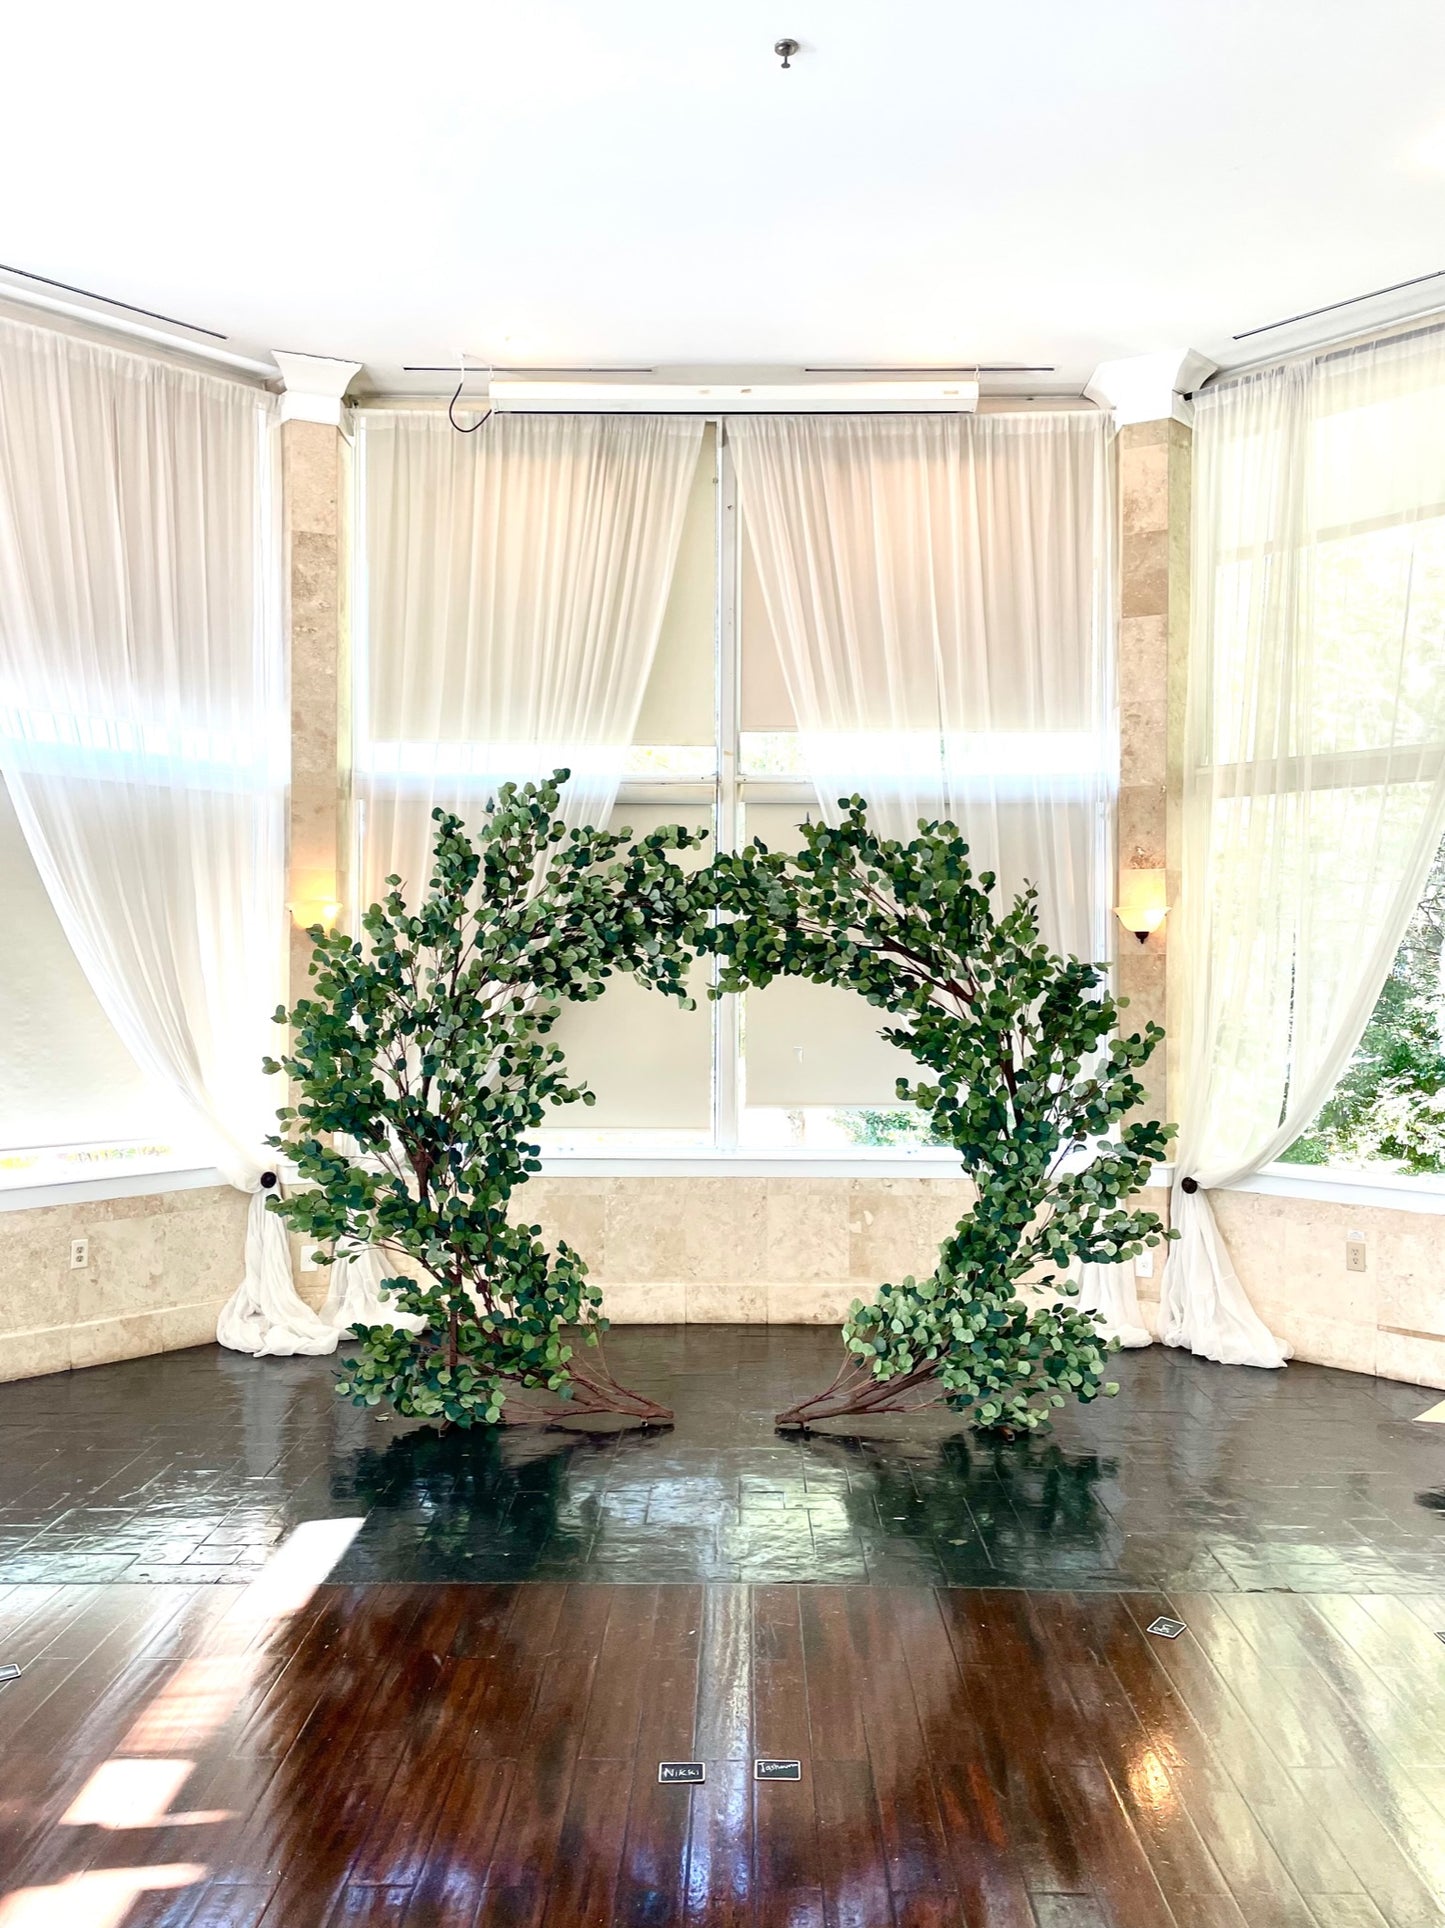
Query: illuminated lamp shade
[[316, 904], [1142, 905]]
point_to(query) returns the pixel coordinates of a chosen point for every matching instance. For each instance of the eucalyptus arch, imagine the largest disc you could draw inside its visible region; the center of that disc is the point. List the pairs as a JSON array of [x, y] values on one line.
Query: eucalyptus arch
[[1028, 1079]]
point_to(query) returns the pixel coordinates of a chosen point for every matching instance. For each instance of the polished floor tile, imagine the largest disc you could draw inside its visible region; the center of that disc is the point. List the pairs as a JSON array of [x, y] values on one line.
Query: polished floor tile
[[189, 1467]]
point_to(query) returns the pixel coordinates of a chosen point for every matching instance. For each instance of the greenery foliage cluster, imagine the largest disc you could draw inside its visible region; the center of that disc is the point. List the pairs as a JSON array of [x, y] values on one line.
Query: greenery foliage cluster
[[1390, 1104], [1026, 1078], [422, 1062]]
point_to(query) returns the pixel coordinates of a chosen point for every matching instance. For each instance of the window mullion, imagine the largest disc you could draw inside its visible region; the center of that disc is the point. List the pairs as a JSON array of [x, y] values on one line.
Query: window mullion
[[727, 1022]]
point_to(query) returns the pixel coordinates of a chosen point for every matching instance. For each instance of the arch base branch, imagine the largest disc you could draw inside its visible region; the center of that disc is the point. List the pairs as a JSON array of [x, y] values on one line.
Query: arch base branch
[[857, 1394], [595, 1393]]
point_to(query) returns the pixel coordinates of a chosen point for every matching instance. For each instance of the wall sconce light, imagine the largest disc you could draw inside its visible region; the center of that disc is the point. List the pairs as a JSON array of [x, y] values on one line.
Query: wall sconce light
[[1143, 904], [320, 909]]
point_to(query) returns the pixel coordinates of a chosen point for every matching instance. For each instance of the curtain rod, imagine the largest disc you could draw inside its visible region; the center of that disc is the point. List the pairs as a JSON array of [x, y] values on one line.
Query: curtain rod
[[389, 404], [111, 301], [34, 310], [1427, 322], [1334, 307]]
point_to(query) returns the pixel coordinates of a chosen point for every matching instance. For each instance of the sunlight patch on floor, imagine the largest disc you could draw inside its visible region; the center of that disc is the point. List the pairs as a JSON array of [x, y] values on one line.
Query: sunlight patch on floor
[[99, 1898]]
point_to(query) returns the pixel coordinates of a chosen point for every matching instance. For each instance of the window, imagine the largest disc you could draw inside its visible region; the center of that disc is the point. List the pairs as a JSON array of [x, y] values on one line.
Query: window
[[145, 733], [798, 1067], [1389, 1108], [717, 745], [1314, 781]]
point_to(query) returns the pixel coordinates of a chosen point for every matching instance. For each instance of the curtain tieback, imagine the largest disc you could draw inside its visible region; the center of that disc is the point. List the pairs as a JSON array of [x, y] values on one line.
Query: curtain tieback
[[1190, 1185]]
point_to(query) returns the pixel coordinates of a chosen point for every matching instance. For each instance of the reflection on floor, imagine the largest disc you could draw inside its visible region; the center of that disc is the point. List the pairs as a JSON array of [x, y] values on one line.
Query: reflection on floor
[[988, 1736], [471, 1756], [189, 1467]]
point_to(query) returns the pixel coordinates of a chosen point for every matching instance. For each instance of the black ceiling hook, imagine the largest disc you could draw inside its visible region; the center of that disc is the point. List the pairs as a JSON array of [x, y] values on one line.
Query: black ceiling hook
[[785, 48]]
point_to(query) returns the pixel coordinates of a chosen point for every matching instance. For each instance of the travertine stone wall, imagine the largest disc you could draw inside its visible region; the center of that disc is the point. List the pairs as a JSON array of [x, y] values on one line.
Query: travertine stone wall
[[1388, 1319], [1290, 1254], [717, 1250], [781, 1251], [748, 1250], [161, 1267]]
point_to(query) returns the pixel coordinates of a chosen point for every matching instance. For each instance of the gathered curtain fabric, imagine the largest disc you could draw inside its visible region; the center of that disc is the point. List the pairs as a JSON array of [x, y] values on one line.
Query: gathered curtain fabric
[[144, 732], [1111, 1293], [515, 583], [939, 589], [1314, 783]]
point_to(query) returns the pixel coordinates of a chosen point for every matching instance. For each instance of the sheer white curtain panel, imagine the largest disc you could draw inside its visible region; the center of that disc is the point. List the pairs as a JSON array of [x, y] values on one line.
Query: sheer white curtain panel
[[514, 585], [1314, 794], [940, 591], [144, 733]]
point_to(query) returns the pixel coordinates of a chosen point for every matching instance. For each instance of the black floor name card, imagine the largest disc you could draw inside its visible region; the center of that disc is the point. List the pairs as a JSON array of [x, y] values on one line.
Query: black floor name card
[[9, 1673], [1166, 1628], [777, 1770], [689, 1772]]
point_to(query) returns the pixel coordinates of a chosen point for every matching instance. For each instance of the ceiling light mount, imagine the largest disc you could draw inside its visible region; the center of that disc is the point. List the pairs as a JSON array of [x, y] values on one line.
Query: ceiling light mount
[[785, 49]]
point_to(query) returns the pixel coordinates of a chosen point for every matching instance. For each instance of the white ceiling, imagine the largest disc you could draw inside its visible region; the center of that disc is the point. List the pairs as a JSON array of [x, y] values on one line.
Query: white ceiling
[[544, 182]]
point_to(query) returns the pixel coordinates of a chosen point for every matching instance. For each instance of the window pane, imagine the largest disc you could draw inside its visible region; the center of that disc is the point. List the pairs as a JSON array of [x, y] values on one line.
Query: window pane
[[1389, 1108], [649, 1062], [858, 1131], [1360, 587], [812, 1044], [773, 753]]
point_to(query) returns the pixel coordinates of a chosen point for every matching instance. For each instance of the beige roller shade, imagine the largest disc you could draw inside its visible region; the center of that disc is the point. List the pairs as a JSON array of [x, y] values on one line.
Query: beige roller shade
[[811, 1044], [649, 1062]]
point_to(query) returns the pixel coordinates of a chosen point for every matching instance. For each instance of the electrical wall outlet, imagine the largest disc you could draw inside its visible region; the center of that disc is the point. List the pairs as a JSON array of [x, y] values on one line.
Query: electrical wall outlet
[[1354, 1255], [1144, 1263], [79, 1254]]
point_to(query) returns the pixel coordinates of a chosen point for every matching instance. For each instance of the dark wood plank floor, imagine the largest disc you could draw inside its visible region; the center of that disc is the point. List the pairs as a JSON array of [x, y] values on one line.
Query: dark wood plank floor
[[413, 1754]]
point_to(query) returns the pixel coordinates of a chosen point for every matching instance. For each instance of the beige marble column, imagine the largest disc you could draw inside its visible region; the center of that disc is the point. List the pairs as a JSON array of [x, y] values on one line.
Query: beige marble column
[[315, 472], [1154, 489]]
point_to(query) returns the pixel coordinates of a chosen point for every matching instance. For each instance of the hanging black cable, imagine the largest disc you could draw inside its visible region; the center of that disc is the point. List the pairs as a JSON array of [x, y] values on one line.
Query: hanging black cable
[[451, 409]]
